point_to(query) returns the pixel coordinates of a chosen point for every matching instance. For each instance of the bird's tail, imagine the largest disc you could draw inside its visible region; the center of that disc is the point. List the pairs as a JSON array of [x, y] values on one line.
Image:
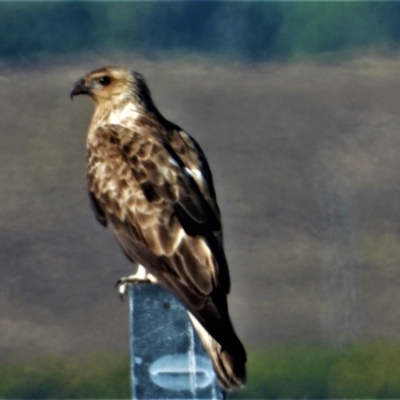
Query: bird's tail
[[229, 364]]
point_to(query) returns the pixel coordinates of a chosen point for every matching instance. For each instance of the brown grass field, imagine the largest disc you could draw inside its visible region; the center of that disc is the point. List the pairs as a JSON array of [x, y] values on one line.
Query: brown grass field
[[306, 161]]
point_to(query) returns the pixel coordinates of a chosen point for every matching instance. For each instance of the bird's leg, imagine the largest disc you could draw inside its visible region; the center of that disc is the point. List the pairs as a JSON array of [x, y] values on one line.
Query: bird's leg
[[141, 276]]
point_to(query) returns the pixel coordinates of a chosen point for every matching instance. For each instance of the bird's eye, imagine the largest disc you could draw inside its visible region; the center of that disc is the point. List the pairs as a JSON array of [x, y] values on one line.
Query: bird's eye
[[104, 80]]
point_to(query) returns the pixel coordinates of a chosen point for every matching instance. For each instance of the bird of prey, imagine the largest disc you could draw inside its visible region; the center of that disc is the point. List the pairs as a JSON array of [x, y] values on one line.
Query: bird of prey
[[150, 183]]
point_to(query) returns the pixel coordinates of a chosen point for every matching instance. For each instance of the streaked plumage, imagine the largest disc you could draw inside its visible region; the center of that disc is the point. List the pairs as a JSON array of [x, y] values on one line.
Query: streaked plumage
[[150, 182]]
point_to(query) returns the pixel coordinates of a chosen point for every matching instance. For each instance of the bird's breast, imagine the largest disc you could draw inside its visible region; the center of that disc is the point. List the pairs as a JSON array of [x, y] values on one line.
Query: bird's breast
[[125, 116]]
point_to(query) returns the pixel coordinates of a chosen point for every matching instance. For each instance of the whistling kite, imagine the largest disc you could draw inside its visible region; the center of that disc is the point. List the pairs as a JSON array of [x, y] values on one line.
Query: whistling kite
[[150, 182]]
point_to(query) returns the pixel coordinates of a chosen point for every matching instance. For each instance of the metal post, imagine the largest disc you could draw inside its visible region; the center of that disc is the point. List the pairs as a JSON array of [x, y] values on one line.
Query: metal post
[[167, 358]]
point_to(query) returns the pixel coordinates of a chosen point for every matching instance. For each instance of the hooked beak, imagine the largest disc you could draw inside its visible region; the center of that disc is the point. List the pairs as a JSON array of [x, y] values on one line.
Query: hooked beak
[[79, 87]]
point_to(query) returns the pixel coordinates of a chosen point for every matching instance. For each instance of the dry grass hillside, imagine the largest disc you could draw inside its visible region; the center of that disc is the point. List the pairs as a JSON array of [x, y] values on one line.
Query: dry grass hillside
[[306, 160]]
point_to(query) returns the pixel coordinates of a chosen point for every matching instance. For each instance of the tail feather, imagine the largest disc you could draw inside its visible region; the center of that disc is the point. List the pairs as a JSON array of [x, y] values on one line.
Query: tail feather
[[228, 365]]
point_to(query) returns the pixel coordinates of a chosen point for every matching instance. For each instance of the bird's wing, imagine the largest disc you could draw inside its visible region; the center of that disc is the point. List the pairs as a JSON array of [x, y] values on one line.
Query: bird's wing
[[157, 196], [195, 165], [162, 190], [145, 185]]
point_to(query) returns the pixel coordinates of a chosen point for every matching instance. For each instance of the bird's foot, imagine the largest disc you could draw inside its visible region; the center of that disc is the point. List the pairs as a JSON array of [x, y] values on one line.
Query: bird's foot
[[141, 276]]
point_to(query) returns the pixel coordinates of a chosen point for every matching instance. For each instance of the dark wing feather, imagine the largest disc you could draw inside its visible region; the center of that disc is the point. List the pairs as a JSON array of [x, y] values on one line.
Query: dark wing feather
[[98, 211], [211, 229], [205, 168], [196, 213]]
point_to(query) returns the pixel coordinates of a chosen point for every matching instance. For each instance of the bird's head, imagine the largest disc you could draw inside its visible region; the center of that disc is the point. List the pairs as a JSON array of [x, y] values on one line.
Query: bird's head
[[113, 84]]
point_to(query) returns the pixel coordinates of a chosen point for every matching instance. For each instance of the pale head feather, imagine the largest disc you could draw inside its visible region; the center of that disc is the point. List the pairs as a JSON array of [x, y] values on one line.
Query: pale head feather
[[118, 85]]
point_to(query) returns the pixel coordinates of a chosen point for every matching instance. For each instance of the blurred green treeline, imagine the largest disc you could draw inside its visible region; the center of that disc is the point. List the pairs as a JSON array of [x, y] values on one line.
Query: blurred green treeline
[[247, 30], [368, 370]]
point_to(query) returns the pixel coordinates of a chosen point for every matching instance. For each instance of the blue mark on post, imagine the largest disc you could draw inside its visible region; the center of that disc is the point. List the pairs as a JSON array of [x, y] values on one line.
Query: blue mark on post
[[173, 372]]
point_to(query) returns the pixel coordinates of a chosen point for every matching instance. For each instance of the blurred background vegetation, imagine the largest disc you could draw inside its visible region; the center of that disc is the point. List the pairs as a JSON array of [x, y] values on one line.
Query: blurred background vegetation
[[246, 30], [368, 370]]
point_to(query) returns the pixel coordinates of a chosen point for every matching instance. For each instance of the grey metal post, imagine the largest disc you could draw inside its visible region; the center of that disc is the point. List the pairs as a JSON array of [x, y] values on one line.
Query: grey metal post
[[167, 357]]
